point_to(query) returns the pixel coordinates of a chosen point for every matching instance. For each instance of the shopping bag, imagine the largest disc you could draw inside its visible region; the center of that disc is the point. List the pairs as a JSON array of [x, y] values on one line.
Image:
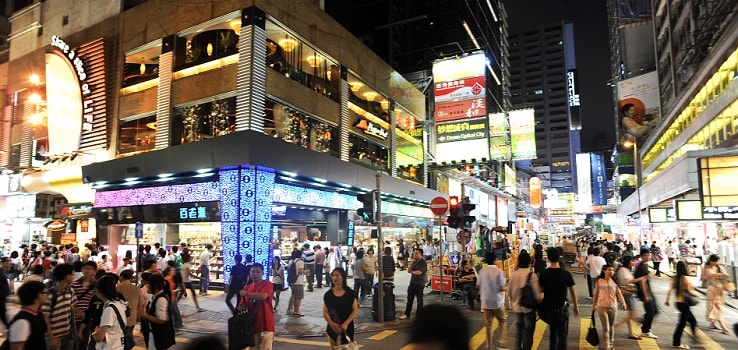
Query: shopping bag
[[335, 344], [592, 337], [241, 330]]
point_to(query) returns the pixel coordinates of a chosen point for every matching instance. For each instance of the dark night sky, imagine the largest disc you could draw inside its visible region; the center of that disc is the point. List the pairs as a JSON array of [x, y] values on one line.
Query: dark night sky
[[592, 56]]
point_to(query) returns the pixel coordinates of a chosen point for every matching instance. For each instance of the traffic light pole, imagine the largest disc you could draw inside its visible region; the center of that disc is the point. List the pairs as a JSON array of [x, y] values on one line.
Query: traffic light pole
[[380, 249]]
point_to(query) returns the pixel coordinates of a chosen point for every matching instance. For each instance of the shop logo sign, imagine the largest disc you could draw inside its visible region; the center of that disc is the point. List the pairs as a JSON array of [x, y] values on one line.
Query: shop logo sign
[[372, 129]]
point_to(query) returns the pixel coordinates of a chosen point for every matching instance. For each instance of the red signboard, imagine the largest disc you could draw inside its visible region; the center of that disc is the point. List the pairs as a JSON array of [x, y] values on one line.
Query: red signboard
[[460, 89], [436, 284], [456, 110]]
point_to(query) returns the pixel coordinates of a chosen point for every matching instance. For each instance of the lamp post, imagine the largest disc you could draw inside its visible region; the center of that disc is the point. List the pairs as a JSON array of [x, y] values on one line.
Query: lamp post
[[637, 170]]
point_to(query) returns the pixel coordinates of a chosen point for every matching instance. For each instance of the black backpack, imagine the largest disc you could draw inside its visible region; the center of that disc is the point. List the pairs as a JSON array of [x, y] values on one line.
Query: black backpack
[[527, 296], [292, 272]]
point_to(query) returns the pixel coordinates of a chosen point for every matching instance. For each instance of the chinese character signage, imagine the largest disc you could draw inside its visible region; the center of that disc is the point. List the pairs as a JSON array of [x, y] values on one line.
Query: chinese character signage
[[460, 88], [460, 131], [599, 181], [572, 92]]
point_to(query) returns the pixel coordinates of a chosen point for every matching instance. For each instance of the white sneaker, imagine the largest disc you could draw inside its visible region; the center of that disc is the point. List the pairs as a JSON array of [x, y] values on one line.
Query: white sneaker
[[682, 346], [403, 317], [649, 335]]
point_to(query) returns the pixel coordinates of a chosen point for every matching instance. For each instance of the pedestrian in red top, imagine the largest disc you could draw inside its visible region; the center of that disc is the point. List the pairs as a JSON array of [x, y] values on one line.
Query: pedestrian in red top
[[257, 296]]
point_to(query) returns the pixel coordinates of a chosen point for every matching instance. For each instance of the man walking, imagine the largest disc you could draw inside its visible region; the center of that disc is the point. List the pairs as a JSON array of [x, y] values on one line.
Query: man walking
[[261, 292], [205, 269], [417, 269], [239, 278], [492, 284], [593, 266], [308, 257], [645, 294], [319, 263], [135, 300], [60, 308], [554, 282]]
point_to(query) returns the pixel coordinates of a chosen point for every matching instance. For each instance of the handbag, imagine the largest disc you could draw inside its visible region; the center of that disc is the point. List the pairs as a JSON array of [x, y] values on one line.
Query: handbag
[[728, 286], [527, 297], [128, 341], [689, 299], [592, 337], [241, 330], [553, 314], [335, 343]]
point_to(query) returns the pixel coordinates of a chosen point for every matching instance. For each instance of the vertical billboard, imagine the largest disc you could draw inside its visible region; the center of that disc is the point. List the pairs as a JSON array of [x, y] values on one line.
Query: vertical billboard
[[599, 181], [572, 92], [523, 134], [498, 136], [459, 88], [638, 99], [460, 109], [584, 180]]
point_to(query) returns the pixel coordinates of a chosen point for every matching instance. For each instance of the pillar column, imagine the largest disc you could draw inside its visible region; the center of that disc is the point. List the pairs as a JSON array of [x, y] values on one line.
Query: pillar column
[[251, 74], [164, 92]]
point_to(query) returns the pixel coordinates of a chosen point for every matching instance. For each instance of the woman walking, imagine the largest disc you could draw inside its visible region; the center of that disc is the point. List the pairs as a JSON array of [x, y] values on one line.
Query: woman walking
[[656, 258], [157, 319], [110, 332], [276, 272], [605, 302], [715, 279], [359, 275], [339, 309], [680, 285], [627, 284]]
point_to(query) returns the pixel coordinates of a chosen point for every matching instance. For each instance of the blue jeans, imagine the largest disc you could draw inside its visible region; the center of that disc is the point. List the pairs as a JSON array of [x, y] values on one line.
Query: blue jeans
[[526, 325], [204, 278], [559, 332]]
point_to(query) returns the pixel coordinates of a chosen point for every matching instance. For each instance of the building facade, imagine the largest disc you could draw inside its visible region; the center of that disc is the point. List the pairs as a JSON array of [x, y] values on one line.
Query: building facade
[[230, 124]]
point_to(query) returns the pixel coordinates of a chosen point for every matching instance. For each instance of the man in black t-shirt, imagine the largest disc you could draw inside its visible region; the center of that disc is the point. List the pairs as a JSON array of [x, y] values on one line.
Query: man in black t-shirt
[[645, 294], [554, 282], [239, 279]]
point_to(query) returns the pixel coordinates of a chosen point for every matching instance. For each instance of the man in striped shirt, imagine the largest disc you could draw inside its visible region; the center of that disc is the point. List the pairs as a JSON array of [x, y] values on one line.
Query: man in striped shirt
[[84, 290], [60, 308]]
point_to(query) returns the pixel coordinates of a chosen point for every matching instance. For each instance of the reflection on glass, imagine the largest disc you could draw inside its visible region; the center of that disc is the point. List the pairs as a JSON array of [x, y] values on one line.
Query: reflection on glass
[[204, 121], [299, 128], [369, 154], [137, 135]]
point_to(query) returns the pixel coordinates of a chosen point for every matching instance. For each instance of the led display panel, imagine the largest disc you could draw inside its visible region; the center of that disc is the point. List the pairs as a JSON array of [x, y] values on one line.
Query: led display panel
[[688, 209]]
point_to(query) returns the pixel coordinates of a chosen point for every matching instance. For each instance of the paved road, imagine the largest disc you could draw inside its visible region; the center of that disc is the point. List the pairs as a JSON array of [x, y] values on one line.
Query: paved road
[[307, 333]]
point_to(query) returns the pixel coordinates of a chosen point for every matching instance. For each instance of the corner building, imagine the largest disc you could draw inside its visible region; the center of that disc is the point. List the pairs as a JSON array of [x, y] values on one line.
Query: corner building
[[225, 120]]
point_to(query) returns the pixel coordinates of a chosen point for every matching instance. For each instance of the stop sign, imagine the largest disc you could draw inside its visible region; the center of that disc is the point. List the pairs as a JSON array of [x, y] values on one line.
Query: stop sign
[[439, 206]]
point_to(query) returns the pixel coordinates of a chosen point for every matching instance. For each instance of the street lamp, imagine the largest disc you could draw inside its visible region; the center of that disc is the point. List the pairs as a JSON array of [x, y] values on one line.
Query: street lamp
[[637, 170]]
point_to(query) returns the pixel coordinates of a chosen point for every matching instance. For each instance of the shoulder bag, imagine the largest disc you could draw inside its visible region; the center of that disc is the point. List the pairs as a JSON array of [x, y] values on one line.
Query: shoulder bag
[[688, 298], [128, 341], [527, 296], [592, 337], [163, 333], [241, 327]]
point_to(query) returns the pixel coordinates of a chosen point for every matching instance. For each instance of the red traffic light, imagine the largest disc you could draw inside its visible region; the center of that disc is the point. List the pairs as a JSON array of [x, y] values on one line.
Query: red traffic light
[[453, 201]]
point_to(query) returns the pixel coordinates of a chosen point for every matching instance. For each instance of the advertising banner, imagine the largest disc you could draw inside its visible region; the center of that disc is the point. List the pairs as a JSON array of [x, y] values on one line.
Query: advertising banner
[[572, 89], [497, 136], [638, 99], [599, 181], [449, 111], [584, 180], [467, 130], [459, 88], [523, 134]]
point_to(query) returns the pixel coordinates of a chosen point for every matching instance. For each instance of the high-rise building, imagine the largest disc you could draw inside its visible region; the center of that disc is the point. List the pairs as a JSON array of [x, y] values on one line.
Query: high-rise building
[[543, 75], [690, 151]]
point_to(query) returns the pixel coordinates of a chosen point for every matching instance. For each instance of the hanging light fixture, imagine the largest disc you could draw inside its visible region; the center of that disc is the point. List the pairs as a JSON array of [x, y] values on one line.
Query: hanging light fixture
[[210, 49], [236, 25], [288, 44], [314, 60], [142, 67]]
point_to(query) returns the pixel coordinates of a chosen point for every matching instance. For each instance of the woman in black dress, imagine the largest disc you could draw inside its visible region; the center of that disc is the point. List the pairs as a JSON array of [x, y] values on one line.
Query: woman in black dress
[[340, 308]]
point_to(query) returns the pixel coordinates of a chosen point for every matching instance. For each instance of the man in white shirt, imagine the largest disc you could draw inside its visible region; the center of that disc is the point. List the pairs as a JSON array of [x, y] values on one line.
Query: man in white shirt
[[594, 266], [205, 269], [492, 285]]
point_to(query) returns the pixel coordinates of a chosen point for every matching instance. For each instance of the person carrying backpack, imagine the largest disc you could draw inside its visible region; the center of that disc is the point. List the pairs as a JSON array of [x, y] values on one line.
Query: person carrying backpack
[[27, 329], [155, 319], [525, 317], [60, 309], [296, 279]]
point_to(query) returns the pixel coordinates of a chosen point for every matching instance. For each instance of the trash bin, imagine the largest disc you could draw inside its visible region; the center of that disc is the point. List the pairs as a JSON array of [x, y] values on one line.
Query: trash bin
[[693, 265], [389, 301]]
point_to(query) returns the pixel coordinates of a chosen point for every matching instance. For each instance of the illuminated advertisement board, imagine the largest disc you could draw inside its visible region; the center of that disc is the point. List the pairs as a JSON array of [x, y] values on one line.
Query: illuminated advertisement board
[[501, 211], [536, 192], [642, 93], [497, 136], [510, 180], [718, 186], [584, 180], [463, 140], [459, 88], [688, 209], [572, 92], [523, 134], [461, 131], [599, 181]]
